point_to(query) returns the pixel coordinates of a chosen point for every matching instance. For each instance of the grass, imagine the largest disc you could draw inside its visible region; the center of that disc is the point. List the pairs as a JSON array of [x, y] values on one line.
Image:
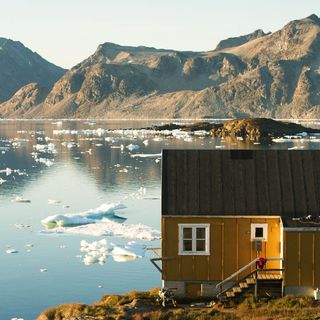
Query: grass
[[137, 305]]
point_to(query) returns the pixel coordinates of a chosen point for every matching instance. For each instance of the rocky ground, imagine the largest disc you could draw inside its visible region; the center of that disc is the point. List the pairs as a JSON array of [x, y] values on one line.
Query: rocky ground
[[142, 305]]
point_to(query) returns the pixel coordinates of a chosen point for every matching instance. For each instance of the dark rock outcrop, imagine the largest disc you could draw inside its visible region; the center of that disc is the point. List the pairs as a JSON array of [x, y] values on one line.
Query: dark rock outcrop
[[259, 129]]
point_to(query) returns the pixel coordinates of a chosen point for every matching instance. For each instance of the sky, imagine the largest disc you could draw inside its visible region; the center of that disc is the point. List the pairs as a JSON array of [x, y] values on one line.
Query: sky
[[67, 31]]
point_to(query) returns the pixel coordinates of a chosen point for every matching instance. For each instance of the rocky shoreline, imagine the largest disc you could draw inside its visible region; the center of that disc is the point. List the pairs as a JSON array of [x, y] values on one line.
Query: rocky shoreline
[[252, 129], [142, 305]]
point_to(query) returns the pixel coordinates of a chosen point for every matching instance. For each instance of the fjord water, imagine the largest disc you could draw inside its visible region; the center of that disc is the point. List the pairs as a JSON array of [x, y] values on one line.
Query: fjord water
[[89, 168]]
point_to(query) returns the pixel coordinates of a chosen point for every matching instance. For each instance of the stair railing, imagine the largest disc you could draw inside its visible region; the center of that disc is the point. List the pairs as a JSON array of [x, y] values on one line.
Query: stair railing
[[254, 272], [250, 264]]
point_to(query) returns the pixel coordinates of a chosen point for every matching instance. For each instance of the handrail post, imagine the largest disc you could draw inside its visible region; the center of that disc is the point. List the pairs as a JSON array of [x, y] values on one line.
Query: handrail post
[[256, 285]]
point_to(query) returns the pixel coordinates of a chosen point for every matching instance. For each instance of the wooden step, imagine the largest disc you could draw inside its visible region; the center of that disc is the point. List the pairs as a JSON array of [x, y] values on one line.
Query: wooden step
[[267, 276], [243, 285], [237, 289], [230, 294], [250, 281]]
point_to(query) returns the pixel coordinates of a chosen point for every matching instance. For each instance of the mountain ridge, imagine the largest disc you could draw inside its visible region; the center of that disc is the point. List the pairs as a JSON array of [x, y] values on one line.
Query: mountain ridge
[[266, 75], [20, 66]]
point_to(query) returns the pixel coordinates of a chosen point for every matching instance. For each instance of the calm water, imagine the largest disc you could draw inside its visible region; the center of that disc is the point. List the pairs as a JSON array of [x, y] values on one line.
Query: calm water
[[88, 169]]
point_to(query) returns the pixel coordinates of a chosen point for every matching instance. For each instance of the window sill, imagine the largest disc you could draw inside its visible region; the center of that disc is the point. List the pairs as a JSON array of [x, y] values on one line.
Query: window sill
[[259, 239], [194, 253]]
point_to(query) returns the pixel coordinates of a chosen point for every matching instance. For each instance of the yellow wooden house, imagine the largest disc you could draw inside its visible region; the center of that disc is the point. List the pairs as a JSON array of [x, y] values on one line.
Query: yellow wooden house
[[224, 210]]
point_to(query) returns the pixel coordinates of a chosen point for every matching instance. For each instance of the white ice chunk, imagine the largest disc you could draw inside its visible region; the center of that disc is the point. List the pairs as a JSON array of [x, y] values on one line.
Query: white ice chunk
[[146, 155], [129, 250], [21, 199], [53, 201], [124, 258], [7, 171], [201, 133], [82, 218], [132, 147], [296, 148], [9, 251], [96, 252]]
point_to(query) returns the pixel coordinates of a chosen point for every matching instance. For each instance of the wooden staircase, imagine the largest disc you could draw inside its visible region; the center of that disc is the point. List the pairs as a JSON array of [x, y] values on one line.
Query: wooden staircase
[[260, 282], [265, 285]]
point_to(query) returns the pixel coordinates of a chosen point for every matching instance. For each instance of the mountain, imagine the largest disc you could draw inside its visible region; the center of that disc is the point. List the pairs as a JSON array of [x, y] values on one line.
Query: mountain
[[20, 66], [238, 41], [257, 75]]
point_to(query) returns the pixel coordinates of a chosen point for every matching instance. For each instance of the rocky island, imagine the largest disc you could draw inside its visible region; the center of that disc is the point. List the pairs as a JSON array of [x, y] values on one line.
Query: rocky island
[[254, 129]]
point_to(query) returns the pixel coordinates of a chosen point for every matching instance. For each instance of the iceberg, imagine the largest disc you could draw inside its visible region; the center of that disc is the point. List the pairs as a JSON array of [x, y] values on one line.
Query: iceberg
[[83, 218], [131, 249]]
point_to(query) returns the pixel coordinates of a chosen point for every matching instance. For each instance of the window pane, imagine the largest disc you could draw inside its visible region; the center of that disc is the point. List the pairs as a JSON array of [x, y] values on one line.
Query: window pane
[[201, 245], [187, 233], [201, 233], [187, 245], [259, 232]]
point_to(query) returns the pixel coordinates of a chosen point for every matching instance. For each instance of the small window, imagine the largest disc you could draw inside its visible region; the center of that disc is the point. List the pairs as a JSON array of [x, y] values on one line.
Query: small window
[[259, 231], [193, 239]]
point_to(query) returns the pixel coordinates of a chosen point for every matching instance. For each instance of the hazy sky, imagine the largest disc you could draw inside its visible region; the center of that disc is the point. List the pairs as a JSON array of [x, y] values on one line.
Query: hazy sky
[[67, 31]]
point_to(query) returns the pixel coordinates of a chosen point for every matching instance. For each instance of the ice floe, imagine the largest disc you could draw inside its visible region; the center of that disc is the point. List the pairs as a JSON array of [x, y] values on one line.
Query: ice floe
[[101, 221], [22, 226], [7, 171], [108, 227], [21, 199], [131, 249], [95, 252], [83, 218], [53, 201], [98, 251], [146, 155], [132, 147], [45, 148], [11, 250]]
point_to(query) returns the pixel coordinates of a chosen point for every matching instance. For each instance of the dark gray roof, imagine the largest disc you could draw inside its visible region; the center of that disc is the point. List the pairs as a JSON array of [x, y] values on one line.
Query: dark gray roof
[[241, 182]]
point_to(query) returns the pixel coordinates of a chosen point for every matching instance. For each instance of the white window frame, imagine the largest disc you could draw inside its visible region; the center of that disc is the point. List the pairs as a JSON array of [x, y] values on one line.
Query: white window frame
[[264, 226], [194, 227]]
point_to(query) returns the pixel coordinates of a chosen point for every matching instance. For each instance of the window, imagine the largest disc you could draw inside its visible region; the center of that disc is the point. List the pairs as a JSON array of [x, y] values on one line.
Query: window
[[193, 239], [259, 231]]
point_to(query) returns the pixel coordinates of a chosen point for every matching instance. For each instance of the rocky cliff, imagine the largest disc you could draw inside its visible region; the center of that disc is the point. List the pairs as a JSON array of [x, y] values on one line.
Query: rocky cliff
[[258, 75], [20, 66]]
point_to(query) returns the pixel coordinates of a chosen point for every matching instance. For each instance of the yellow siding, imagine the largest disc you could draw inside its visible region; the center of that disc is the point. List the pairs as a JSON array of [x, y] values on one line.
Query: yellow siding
[[302, 258], [230, 248]]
